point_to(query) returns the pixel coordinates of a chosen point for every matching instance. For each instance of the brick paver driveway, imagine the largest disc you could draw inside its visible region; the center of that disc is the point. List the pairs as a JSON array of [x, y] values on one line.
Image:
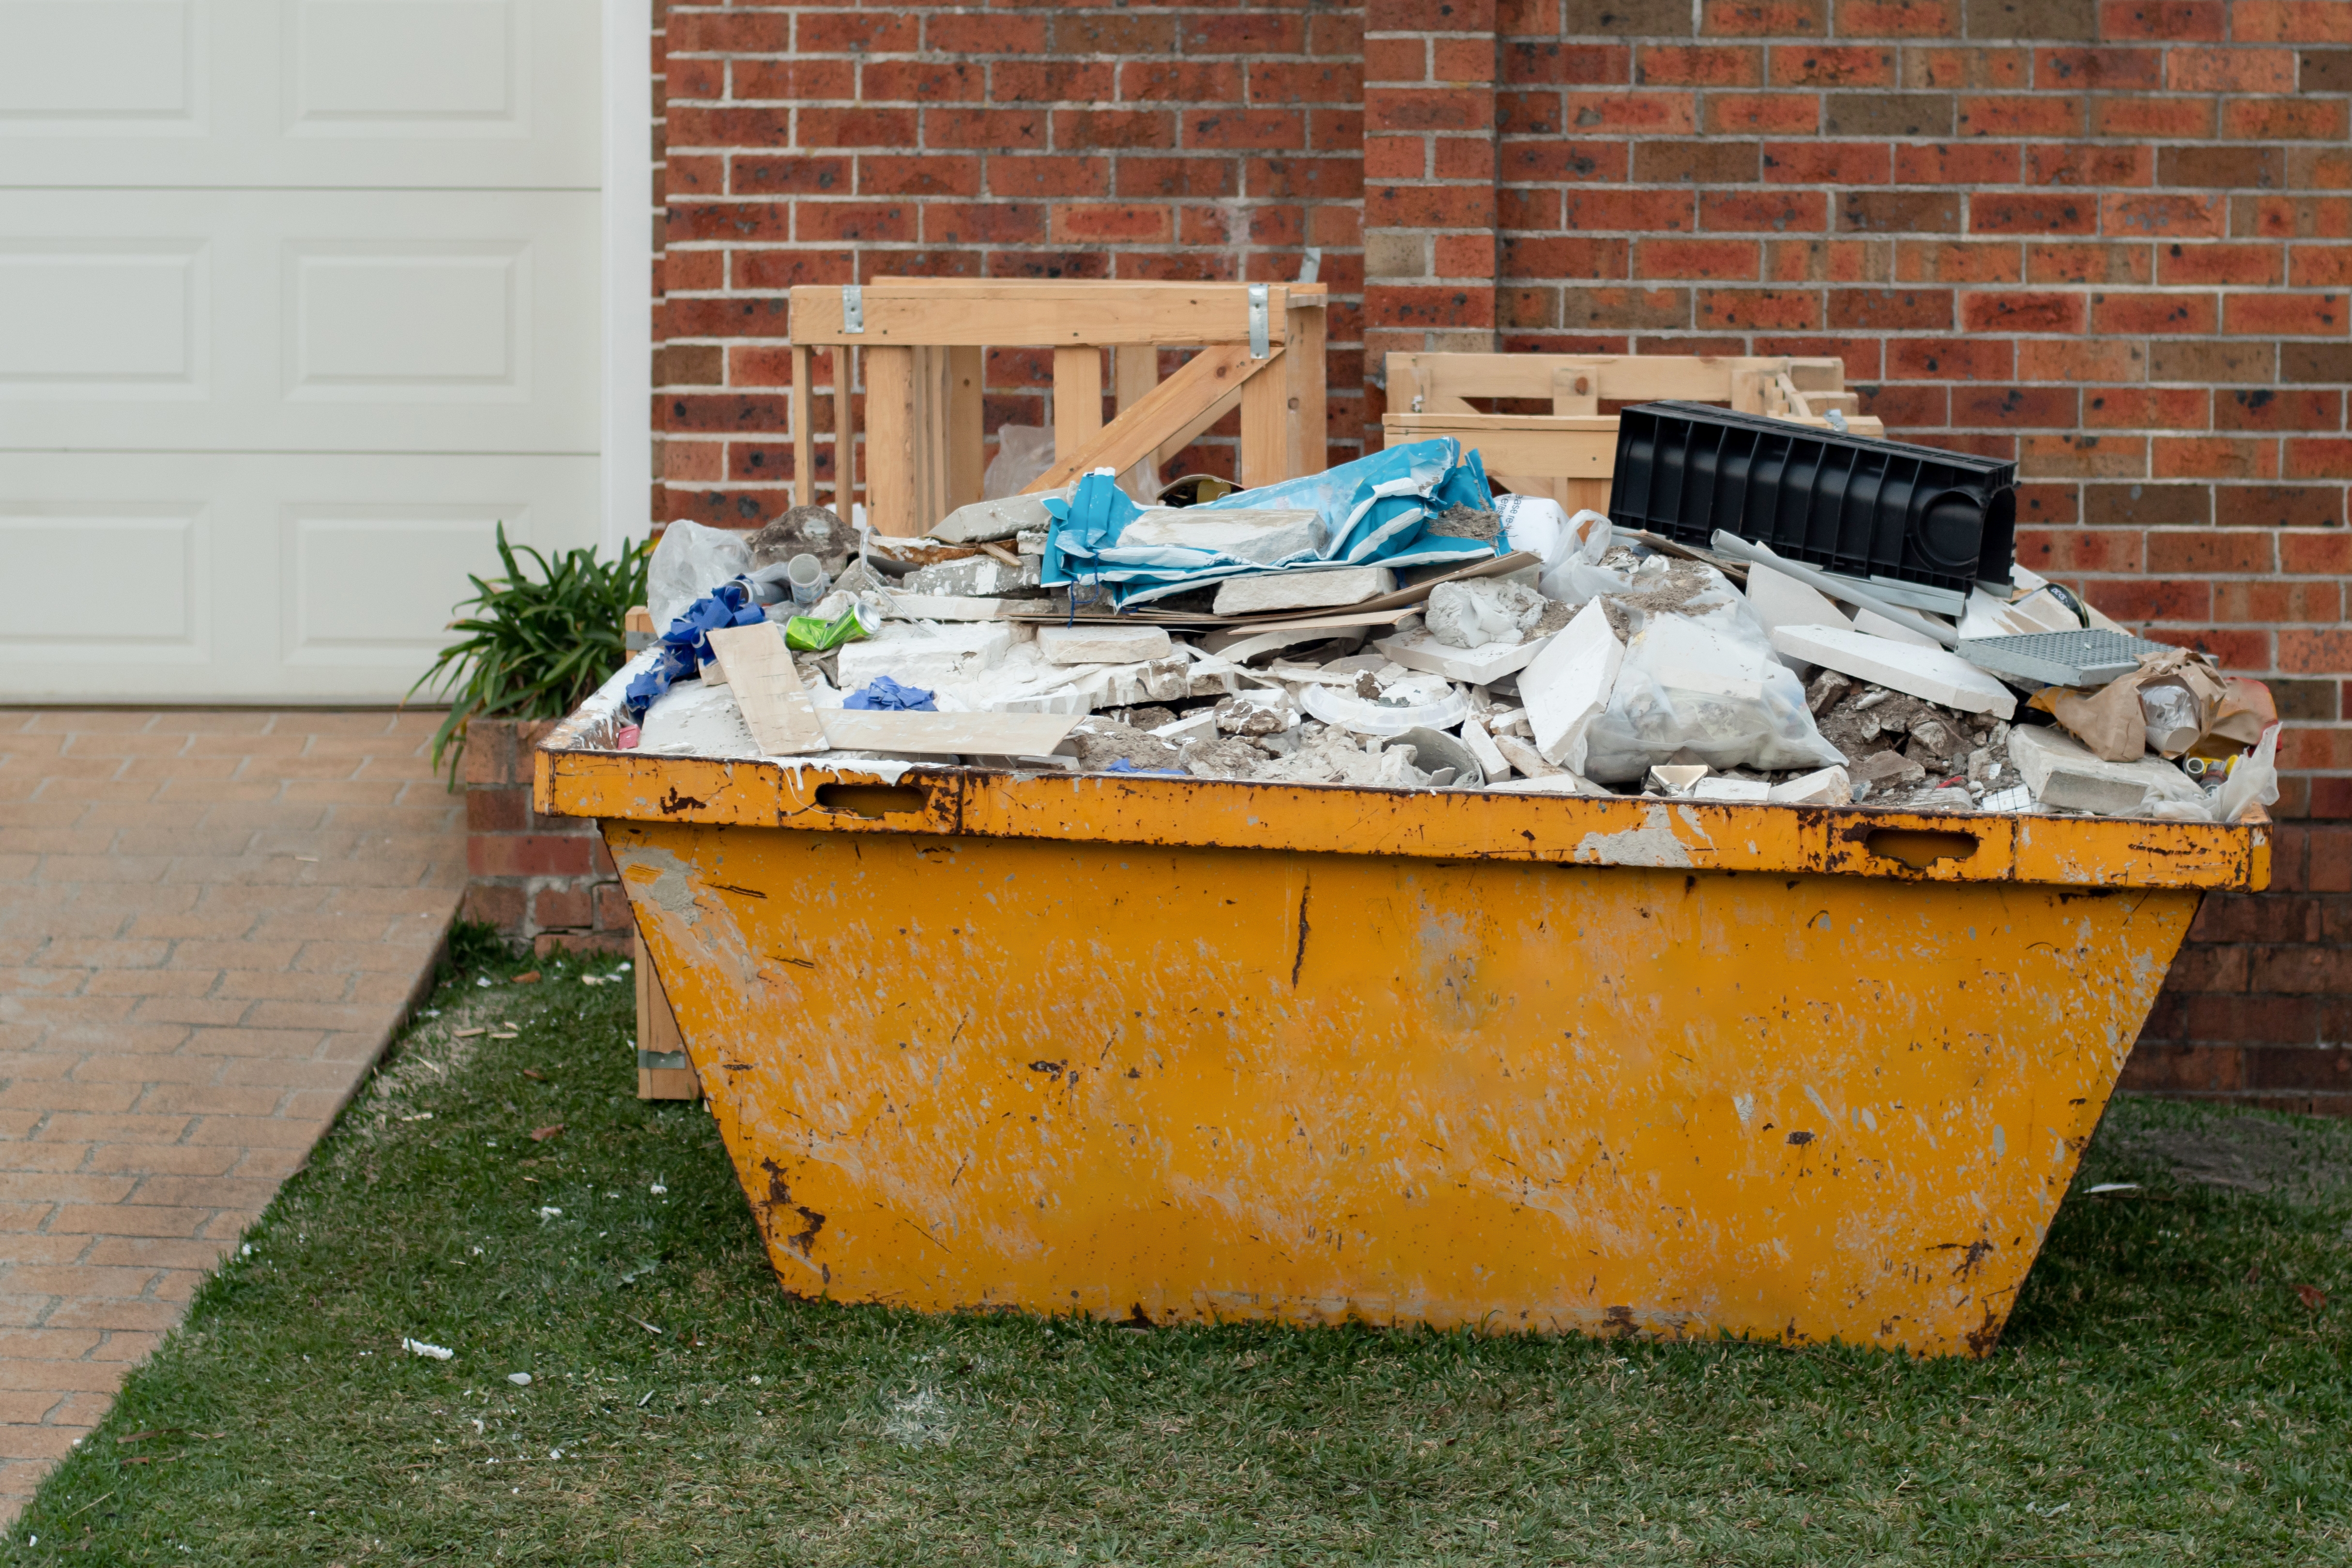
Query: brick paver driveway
[[210, 922]]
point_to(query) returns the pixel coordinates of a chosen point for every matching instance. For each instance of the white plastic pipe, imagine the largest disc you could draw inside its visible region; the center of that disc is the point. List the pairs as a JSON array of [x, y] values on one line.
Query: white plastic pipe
[[1761, 555]]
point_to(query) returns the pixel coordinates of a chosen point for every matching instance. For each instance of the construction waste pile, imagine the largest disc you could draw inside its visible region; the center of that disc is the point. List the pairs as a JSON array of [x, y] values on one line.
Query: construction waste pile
[[1392, 623]]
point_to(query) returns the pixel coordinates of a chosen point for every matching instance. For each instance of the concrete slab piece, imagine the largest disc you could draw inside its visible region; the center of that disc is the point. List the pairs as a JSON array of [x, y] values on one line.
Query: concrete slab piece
[[1567, 685], [984, 522], [1931, 674], [1262, 534], [1094, 642], [913, 654], [2062, 772], [1829, 786], [1303, 587]]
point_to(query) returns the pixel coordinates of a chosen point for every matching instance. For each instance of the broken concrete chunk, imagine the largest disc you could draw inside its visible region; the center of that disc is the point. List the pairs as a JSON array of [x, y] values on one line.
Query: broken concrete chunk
[[1099, 742], [1883, 770], [1261, 534], [1731, 790], [1198, 724], [1095, 642], [922, 655], [948, 607], [1479, 666], [1567, 686], [1302, 587], [1829, 786], [1254, 713], [2062, 772], [1933, 675], [1525, 757], [977, 575], [985, 521], [1491, 760]]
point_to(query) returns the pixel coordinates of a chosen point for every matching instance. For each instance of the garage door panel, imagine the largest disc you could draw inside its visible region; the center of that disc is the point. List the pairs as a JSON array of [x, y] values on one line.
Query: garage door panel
[[104, 319], [483, 94], [122, 580], [261, 577], [85, 68], [301, 321]]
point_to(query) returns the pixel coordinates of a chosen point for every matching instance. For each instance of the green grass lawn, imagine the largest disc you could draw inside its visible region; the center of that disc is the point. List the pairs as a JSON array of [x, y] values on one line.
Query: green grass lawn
[[2164, 1395]]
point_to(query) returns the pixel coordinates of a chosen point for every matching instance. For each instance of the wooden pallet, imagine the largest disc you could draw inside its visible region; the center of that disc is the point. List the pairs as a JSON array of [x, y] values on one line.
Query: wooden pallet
[[923, 342], [1570, 453]]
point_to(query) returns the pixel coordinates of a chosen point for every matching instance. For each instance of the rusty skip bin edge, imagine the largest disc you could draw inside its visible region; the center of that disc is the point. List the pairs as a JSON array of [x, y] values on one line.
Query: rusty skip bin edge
[[576, 775]]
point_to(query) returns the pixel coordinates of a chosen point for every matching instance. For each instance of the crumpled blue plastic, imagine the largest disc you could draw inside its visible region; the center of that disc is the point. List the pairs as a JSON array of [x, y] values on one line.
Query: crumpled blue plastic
[[1121, 765], [1374, 509], [885, 693], [684, 647]]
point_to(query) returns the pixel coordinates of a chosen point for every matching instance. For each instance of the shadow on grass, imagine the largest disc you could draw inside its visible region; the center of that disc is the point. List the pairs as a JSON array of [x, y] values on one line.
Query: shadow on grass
[[2164, 1394]]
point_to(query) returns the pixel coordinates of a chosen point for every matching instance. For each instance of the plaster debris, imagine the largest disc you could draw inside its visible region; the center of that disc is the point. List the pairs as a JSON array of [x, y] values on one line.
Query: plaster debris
[[2062, 771], [1596, 662], [1303, 587], [1095, 644], [1934, 673], [1264, 535]]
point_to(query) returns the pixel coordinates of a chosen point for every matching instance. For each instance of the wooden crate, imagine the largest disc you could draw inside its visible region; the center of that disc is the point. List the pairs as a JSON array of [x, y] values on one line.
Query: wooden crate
[[1570, 453], [922, 342]]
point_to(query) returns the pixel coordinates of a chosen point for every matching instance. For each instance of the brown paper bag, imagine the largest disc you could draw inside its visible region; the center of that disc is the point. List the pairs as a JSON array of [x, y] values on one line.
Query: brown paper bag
[[2109, 720]]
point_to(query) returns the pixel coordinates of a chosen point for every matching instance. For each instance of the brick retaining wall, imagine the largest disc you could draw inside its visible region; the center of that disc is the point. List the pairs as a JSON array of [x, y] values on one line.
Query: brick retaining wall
[[544, 879]]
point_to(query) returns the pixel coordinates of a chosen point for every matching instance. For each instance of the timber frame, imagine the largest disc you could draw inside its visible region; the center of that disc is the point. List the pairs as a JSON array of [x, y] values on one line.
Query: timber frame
[[1570, 453], [922, 342]]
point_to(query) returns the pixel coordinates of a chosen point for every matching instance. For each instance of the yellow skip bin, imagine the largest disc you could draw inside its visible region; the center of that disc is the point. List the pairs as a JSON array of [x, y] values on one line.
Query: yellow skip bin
[[1171, 1051]]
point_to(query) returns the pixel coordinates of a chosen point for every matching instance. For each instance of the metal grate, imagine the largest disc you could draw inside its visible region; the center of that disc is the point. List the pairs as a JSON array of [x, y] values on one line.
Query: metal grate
[[2059, 658]]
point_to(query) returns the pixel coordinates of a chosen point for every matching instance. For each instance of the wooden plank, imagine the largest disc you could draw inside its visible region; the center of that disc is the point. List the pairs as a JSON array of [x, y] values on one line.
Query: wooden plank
[[657, 1033], [1748, 390], [1574, 391], [1207, 378], [1818, 375], [776, 709], [931, 422], [948, 734], [1077, 398], [845, 435], [1308, 441], [1266, 431], [890, 442], [966, 365], [1536, 444], [1195, 428], [1135, 370], [803, 438], [947, 311]]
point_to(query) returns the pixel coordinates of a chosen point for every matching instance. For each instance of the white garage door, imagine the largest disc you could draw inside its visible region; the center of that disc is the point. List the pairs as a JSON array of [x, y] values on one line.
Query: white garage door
[[299, 300]]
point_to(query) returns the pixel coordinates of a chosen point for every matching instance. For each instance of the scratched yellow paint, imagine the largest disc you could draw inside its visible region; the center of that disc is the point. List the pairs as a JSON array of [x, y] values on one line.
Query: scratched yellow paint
[[1014, 1061]]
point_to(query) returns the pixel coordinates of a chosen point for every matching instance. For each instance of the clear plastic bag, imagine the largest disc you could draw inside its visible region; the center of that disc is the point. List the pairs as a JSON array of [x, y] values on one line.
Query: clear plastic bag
[[1572, 571], [688, 562], [1702, 680], [1022, 452]]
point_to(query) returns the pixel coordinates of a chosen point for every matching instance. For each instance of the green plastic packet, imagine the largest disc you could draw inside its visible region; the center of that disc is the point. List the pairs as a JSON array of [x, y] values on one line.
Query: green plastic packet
[[807, 634]]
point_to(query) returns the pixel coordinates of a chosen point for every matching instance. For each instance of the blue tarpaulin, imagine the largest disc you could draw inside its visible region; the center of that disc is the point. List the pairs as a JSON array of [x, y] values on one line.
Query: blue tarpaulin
[[1374, 509]]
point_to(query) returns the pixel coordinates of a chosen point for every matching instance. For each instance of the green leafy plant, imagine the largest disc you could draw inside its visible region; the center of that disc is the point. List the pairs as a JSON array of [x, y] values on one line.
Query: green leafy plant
[[534, 647]]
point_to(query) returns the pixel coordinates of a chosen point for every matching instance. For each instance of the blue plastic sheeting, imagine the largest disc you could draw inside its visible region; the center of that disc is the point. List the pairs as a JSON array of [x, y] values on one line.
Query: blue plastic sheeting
[[1375, 508], [883, 693], [685, 648]]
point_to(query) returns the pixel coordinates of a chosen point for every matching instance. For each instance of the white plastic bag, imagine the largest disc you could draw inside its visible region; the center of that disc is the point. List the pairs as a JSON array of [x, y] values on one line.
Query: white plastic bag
[[688, 562], [1703, 680], [1572, 570], [1022, 452], [2253, 781], [1531, 523]]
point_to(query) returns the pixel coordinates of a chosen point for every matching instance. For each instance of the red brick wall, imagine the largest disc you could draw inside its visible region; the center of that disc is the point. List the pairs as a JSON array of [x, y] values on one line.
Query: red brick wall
[[546, 880], [2112, 238], [809, 144]]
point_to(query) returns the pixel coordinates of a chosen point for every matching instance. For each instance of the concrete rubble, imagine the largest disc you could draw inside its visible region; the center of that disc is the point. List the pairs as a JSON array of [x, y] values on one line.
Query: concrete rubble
[[1659, 673]]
